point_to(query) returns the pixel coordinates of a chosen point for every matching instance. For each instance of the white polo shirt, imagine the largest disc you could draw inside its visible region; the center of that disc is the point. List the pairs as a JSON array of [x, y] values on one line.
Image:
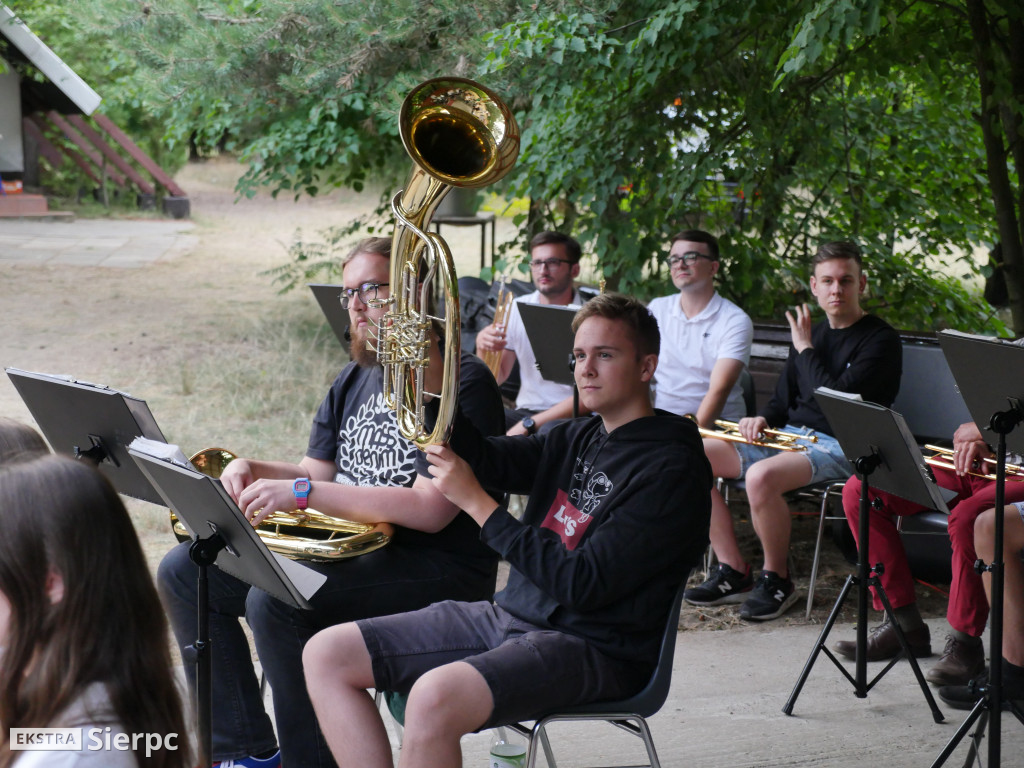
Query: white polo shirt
[[690, 347], [535, 392]]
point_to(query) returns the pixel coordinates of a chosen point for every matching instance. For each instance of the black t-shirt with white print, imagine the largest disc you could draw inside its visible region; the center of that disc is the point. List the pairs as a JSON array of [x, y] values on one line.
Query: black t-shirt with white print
[[359, 433]]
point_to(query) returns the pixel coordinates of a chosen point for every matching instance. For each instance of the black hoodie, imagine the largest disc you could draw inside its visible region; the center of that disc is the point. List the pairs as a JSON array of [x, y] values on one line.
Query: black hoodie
[[613, 524]]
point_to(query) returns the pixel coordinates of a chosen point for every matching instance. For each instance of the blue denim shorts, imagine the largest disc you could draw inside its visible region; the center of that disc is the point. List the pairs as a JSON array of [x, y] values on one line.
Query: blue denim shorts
[[1020, 508], [828, 462], [529, 669]]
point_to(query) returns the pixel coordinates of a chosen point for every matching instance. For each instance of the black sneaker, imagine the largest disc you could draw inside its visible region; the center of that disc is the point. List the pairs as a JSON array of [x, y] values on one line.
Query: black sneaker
[[966, 696], [770, 598], [724, 585]]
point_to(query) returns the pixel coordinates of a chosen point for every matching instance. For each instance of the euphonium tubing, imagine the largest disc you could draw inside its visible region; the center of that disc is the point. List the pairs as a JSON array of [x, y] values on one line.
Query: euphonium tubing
[[302, 534], [458, 134], [772, 438]]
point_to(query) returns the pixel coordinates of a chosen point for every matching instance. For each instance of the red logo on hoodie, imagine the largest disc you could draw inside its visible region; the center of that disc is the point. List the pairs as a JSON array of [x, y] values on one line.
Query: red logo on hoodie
[[568, 522]]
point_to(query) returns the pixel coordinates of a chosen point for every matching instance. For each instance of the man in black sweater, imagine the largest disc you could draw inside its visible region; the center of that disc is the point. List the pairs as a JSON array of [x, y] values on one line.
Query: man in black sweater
[[850, 351], [618, 512]]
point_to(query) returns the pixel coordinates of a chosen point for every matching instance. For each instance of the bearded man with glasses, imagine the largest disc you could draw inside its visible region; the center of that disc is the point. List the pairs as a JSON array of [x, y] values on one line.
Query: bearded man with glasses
[[554, 264], [705, 338], [357, 467]]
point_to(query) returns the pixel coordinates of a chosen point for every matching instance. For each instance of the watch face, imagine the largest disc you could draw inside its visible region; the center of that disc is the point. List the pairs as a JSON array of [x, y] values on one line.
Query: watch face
[[529, 424], [301, 486]]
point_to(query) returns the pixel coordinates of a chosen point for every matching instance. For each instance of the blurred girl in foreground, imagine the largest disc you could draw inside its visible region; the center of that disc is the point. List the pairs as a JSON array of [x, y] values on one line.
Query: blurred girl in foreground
[[83, 638]]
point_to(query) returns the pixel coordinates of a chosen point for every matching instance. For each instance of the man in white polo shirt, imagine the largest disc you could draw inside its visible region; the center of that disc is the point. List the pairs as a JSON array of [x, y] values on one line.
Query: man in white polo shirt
[[554, 264], [705, 338]]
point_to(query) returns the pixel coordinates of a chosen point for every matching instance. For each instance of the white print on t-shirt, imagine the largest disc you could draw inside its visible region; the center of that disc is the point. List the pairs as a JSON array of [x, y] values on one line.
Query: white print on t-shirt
[[598, 486], [371, 451]]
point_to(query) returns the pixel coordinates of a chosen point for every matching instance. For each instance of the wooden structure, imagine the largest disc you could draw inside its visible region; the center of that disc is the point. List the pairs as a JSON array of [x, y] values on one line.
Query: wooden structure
[[56, 121]]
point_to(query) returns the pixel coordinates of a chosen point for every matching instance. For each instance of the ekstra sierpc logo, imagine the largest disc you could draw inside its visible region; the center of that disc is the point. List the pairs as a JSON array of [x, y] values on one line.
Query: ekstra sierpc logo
[[89, 740]]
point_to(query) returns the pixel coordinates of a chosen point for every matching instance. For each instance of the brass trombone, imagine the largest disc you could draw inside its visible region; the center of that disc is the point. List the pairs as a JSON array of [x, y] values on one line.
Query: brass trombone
[[943, 458], [300, 535], [771, 438]]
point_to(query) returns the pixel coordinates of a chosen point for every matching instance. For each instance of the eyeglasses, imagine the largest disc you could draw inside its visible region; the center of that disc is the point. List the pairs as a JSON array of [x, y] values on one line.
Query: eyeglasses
[[551, 264], [367, 292], [688, 259]]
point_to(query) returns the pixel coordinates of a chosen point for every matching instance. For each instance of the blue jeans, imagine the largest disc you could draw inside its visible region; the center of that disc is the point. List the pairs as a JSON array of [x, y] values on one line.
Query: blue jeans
[[391, 580]]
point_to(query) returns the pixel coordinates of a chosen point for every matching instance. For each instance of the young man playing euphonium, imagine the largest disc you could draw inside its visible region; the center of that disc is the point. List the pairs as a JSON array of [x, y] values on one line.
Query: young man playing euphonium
[[618, 511]]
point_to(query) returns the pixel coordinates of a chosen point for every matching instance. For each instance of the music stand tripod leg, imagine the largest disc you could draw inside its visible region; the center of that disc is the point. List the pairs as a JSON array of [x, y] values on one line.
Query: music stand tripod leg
[[819, 646], [865, 577], [203, 552], [991, 701], [936, 712]]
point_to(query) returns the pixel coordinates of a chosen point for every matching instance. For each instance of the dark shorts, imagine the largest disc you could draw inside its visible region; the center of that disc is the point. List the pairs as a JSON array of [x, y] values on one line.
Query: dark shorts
[[529, 670]]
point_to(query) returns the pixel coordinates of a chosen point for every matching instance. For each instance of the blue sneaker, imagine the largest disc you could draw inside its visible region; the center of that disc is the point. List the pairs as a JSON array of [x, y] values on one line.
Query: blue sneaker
[[274, 761]]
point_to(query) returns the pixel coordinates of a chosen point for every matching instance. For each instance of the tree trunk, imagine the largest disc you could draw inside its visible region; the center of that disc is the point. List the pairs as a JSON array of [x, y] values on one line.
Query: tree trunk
[[996, 161]]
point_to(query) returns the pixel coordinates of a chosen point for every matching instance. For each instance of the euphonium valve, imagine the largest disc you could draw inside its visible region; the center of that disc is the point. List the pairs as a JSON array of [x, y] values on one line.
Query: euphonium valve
[[458, 134]]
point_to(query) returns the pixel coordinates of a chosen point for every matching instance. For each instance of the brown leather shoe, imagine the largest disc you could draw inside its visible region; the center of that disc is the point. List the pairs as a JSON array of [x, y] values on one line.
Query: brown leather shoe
[[960, 663], [883, 643]]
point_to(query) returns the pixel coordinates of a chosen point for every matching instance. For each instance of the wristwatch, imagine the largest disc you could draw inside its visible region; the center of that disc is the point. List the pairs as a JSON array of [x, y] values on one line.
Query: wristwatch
[[530, 425], [301, 488]]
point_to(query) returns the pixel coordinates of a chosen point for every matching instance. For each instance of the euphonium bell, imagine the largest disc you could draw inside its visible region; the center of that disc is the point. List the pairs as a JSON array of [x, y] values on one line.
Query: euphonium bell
[[458, 134]]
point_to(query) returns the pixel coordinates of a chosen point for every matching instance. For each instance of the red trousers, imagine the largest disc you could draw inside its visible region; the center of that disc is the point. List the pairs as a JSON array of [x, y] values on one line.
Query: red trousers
[[968, 606]]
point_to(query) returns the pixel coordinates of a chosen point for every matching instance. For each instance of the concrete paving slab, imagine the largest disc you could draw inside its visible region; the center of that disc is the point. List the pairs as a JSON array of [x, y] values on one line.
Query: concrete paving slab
[[725, 710], [95, 242]]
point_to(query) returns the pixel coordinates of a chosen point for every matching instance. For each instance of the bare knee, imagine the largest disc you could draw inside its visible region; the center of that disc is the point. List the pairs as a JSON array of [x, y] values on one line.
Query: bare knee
[[339, 654], [762, 484], [767, 480], [453, 699]]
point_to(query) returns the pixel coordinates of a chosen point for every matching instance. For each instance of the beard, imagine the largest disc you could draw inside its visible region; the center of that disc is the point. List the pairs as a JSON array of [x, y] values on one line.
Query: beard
[[556, 288], [358, 351]]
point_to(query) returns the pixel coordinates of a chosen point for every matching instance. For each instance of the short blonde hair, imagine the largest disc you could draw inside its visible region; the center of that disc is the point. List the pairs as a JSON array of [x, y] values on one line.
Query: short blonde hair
[[381, 246]]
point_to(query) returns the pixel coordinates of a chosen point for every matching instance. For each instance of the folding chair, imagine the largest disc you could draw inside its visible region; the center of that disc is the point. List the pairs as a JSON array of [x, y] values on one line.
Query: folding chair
[[826, 489], [628, 714]]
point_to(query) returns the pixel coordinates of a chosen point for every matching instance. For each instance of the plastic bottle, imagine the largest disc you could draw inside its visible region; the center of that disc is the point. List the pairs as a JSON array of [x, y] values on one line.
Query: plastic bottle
[[506, 752]]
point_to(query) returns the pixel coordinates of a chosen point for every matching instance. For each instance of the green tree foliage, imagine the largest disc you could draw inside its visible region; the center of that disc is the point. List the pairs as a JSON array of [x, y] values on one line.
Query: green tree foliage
[[659, 116], [83, 41], [773, 125], [306, 91], [967, 60]]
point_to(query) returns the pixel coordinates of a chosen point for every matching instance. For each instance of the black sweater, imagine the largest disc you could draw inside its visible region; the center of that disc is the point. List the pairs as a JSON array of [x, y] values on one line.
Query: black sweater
[[866, 358], [613, 524]]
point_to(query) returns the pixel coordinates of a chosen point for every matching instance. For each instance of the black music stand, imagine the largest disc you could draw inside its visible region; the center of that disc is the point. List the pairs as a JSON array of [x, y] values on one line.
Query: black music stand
[[222, 537], [996, 401], [887, 453], [549, 329], [329, 298], [92, 422]]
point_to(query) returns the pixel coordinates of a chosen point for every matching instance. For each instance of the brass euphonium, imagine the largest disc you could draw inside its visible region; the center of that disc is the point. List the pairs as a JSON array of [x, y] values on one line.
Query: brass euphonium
[[300, 535], [458, 134]]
